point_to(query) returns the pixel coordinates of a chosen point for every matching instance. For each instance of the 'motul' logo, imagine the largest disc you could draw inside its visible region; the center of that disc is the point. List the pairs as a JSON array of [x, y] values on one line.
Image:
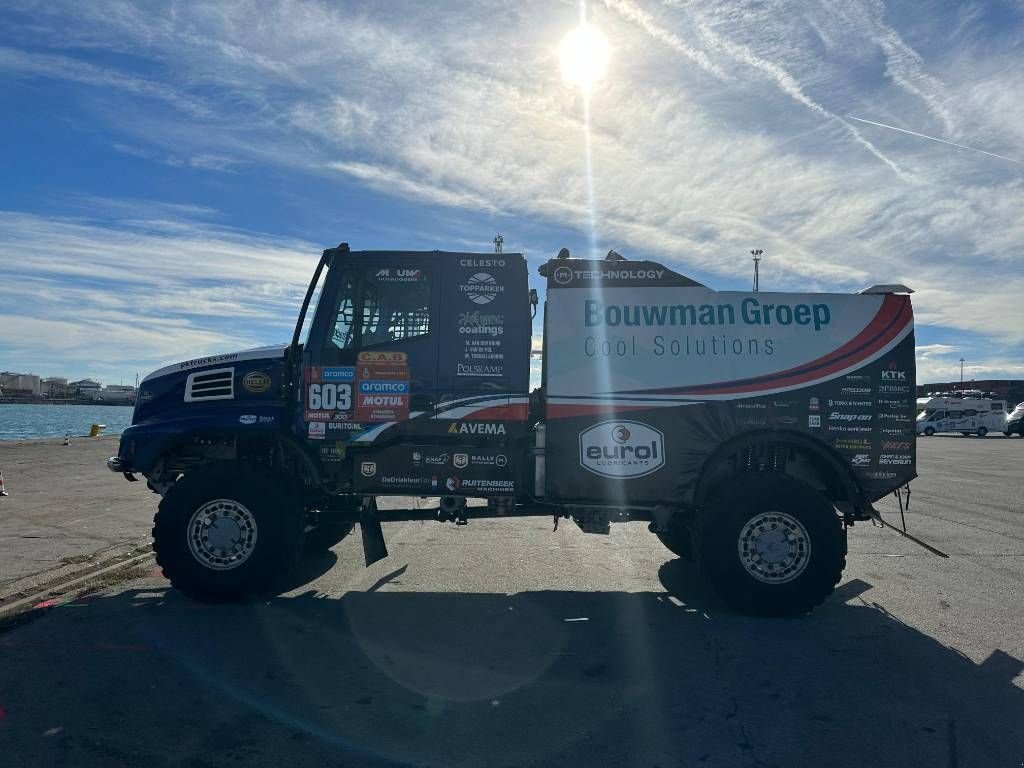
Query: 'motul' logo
[[622, 449]]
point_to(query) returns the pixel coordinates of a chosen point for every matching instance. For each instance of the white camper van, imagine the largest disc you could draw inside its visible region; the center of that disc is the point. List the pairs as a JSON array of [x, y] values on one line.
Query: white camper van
[[966, 415]]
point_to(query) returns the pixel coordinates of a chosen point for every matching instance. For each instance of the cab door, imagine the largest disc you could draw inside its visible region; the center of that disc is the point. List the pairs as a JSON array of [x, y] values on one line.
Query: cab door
[[372, 352]]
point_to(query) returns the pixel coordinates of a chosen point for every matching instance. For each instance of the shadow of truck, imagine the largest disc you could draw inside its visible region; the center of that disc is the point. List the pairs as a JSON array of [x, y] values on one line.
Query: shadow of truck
[[537, 678]]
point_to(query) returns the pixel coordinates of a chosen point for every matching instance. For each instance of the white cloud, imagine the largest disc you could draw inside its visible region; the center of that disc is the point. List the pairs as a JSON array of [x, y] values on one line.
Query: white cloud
[[86, 297], [715, 131]]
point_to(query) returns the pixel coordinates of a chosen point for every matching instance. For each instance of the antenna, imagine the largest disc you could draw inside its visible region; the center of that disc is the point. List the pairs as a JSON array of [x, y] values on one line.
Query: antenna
[[756, 254], [498, 242]]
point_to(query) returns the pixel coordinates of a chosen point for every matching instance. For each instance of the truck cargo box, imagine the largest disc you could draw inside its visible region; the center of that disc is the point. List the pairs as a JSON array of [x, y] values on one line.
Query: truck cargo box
[[647, 373]]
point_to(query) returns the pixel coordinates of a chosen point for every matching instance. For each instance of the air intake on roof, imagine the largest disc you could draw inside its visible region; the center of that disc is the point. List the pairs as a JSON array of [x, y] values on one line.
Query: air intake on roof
[[210, 385]]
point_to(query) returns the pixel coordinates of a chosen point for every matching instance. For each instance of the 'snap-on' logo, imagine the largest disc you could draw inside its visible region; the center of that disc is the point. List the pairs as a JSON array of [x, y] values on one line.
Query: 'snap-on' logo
[[622, 449]]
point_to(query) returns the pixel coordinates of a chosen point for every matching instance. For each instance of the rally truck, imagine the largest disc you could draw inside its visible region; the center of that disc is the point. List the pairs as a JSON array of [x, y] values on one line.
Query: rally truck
[[750, 430]]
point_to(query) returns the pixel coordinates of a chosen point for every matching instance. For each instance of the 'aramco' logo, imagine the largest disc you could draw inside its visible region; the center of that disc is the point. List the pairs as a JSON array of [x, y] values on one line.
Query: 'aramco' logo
[[622, 449]]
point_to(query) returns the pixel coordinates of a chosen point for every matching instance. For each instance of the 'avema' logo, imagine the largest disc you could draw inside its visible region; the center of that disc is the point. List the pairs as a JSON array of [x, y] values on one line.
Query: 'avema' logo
[[622, 449]]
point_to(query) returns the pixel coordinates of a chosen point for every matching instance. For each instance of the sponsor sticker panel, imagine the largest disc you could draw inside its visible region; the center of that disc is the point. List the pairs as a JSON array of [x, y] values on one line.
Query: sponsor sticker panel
[[465, 470]]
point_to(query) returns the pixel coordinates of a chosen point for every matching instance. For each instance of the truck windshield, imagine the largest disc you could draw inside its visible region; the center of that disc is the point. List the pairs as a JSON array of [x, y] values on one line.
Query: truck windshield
[[314, 303]]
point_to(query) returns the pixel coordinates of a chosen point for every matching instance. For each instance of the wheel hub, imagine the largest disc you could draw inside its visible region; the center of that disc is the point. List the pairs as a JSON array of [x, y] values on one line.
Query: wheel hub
[[222, 534], [774, 547]]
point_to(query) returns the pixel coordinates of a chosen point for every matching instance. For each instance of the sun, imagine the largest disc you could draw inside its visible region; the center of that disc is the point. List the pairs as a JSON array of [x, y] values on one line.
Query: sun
[[584, 56]]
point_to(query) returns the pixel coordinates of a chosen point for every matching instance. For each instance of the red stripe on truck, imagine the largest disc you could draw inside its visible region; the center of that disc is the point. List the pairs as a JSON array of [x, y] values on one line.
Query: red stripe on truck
[[889, 322], [513, 412]]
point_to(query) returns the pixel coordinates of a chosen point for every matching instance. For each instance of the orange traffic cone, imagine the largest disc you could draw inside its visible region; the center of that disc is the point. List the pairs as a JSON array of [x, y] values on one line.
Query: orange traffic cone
[[3, 488]]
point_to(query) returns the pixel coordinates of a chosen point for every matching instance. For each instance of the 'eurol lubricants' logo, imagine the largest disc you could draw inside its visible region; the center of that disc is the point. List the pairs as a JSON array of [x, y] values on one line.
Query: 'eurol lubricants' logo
[[622, 449]]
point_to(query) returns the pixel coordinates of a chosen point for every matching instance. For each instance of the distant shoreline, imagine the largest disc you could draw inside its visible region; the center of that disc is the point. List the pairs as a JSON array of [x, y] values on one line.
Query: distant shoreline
[[70, 401]]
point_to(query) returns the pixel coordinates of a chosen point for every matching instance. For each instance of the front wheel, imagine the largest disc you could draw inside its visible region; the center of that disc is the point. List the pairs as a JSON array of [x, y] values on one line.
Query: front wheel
[[226, 533], [771, 545], [982, 431], [929, 431]]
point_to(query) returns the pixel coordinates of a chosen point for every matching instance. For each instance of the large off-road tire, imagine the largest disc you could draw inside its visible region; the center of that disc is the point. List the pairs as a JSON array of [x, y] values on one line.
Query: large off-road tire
[[771, 545], [227, 533]]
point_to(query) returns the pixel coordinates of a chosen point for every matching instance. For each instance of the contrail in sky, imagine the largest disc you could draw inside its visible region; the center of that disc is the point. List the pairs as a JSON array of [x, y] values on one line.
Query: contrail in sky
[[932, 138]]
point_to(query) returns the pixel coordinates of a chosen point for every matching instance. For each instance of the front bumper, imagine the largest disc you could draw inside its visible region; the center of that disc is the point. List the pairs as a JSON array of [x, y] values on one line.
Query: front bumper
[[117, 464]]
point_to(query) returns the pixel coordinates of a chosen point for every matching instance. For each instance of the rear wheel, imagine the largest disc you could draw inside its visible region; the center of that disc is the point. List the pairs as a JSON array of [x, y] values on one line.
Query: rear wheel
[[929, 431], [226, 533], [771, 545], [982, 431]]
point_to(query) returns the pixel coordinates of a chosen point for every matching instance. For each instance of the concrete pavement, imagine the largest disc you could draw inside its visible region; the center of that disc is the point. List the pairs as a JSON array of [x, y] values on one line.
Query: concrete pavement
[[503, 643]]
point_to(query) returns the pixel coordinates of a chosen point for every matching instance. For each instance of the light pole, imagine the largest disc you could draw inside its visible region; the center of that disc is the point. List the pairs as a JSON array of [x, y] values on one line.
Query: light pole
[[961, 375], [756, 254]]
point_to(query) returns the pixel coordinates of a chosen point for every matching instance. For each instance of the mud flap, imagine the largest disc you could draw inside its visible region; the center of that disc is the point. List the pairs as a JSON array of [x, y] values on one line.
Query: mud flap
[[374, 548]]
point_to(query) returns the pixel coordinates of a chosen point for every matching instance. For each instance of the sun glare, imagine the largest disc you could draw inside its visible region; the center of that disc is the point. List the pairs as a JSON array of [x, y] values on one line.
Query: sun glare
[[584, 56]]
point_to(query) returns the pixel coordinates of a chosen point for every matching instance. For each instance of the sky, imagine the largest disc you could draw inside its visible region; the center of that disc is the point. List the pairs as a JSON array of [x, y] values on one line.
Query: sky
[[172, 171]]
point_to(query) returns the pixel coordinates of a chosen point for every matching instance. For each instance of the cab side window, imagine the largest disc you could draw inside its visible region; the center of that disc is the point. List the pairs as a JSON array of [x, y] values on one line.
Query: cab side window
[[955, 414], [342, 335], [396, 305]]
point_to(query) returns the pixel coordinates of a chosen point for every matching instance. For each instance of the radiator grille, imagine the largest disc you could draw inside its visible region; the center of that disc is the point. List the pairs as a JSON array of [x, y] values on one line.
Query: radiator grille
[[218, 384]]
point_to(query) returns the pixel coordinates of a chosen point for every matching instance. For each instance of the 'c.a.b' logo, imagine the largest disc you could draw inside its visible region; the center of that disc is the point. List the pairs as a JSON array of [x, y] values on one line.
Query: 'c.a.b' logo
[[562, 275], [622, 449]]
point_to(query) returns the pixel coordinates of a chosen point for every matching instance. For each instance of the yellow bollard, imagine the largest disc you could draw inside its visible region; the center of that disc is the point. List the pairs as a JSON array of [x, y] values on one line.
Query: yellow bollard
[[97, 430]]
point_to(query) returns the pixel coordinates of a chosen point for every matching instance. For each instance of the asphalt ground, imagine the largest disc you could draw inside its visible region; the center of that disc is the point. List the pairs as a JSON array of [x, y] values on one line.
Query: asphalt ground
[[504, 643], [65, 506]]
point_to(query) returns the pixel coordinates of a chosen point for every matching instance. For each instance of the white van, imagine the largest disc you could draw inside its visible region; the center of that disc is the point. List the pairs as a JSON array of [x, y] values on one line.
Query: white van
[[966, 415]]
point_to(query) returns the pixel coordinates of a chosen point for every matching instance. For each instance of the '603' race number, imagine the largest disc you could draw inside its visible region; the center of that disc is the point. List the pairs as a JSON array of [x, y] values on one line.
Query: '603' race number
[[330, 397]]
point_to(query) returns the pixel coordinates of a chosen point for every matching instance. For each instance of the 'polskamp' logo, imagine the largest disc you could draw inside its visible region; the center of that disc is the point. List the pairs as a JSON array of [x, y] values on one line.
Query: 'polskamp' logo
[[622, 449]]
